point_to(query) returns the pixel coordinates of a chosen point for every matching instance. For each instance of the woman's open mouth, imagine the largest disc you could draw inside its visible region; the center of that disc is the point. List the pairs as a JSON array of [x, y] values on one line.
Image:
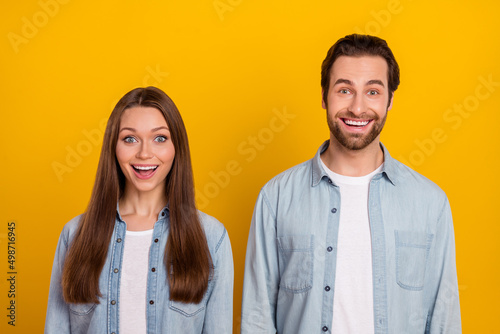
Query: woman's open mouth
[[144, 171]]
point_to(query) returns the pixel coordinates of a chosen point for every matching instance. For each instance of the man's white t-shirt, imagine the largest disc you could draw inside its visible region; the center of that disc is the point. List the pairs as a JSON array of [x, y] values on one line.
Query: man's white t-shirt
[[353, 298], [133, 282]]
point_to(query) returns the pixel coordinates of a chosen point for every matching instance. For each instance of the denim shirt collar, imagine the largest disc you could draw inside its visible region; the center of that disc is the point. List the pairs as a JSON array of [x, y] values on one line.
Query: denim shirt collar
[[389, 169], [165, 212]]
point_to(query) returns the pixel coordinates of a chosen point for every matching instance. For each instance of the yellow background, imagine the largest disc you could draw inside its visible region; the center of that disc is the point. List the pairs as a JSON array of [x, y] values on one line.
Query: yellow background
[[232, 66]]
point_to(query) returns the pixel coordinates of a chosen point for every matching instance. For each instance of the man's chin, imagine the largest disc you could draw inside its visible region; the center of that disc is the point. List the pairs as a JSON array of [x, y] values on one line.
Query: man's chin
[[353, 142]]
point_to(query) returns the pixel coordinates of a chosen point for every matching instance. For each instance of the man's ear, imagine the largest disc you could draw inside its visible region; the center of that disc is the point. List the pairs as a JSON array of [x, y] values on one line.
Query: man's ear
[[390, 102], [323, 103]]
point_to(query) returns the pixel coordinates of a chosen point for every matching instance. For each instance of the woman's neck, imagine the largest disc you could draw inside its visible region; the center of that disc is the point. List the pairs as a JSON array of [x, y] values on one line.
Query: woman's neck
[[140, 209]]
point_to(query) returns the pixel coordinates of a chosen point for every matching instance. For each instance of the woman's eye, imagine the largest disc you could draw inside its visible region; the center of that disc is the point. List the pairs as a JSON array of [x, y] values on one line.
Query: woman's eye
[[161, 139], [129, 140]]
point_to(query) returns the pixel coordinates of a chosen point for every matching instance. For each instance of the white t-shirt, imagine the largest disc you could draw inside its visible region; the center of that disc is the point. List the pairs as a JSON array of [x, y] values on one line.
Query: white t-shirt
[[353, 298], [133, 282]]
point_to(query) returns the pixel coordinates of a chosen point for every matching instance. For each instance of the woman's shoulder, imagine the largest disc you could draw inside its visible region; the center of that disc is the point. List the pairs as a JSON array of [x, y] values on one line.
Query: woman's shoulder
[[70, 227], [215, 231]]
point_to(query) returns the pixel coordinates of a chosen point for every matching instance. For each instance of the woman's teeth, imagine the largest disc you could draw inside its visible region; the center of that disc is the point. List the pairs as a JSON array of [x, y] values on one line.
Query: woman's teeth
[[144, 167]]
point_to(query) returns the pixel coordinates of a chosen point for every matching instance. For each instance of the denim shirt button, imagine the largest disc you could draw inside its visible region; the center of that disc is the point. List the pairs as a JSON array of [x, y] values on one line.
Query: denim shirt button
[[327, 288], [334, 210], [115, 270], [163, 214], [119, 240], [156, 240], [113, 302], [151, 302], [153, 269], [325, 329], [329, 181], [330, 248]]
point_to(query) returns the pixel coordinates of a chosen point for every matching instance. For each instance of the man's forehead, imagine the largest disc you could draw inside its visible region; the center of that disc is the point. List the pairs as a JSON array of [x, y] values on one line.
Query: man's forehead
[[365, 68]]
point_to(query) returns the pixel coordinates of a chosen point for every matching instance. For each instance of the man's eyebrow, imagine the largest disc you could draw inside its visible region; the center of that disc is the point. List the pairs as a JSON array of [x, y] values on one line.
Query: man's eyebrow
[[375, 82], [344, 81], [370, 82]]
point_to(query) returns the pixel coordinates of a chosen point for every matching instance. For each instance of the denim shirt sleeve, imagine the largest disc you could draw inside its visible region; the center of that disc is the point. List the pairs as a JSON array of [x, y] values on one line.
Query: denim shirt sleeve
[[219, 309], [445, 315], [57, 318], [261, 280]]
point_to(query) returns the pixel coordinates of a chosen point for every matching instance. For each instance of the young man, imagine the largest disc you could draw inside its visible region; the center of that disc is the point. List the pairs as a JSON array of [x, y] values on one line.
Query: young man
[[352, 241]]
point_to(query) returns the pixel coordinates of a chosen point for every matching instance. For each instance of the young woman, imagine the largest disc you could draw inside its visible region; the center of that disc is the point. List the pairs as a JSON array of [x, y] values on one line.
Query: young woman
[[142, 259]]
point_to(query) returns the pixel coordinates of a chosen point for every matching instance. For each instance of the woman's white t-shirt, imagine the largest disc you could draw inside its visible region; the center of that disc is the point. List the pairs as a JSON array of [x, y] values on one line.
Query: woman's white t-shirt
[[133, 282]]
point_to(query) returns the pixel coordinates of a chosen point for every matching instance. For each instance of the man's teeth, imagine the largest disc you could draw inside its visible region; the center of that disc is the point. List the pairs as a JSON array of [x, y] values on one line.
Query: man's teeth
[[357, 123], [145, 167]]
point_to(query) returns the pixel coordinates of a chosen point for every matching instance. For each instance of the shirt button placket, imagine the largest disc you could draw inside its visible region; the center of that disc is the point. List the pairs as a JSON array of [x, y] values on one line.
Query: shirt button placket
[[115, 284]]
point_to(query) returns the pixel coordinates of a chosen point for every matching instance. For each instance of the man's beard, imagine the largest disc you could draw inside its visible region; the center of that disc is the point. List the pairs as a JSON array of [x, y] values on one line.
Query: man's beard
[[355, 141]]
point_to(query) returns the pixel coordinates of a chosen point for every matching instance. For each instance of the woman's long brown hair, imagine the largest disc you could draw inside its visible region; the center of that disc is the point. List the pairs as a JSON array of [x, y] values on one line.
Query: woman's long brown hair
[[187, 258]]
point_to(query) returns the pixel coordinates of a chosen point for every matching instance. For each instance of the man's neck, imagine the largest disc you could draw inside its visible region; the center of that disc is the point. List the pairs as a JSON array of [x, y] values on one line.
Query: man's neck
[[348, 162]]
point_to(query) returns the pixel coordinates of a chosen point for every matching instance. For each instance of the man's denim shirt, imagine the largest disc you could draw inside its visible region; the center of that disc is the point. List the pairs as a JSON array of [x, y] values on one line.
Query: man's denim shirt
[[292, 248], [212, 315]]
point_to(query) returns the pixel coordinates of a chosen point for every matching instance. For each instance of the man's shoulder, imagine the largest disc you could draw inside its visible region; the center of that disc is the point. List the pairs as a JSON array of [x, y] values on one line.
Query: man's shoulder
[[292, 177], [416, 183]]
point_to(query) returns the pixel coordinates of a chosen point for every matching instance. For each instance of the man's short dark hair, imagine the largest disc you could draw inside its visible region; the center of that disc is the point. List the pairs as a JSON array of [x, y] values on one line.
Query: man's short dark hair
[[356, 45]]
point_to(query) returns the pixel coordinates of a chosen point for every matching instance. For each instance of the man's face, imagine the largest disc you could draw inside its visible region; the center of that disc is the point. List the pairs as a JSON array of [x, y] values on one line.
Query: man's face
[[357, 100]]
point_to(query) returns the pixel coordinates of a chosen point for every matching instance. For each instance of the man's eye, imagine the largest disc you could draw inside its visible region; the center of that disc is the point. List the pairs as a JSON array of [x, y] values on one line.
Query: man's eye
[[129, 140], [161, 139], [344, 91], [372, 92]]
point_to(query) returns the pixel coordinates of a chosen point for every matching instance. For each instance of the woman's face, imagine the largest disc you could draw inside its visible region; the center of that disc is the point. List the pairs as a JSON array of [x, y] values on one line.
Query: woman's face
[[144, 149]]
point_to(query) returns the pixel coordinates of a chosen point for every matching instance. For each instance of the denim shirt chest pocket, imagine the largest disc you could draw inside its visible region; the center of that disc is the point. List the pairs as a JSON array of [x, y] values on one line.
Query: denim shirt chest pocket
[[412, 252], [296, 259], [81, 316], [192, 309]]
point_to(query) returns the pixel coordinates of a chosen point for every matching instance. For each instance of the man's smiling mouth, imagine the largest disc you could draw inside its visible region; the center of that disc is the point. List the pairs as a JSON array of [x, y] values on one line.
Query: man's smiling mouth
[[360, 123]]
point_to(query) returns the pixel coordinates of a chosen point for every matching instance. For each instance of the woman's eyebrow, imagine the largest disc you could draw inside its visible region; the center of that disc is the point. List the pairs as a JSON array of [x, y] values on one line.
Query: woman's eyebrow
[[159, 128], [130, 129], [152, 130]]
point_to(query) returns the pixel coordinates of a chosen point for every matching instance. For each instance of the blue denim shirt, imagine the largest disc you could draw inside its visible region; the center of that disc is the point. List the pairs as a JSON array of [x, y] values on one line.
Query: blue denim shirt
[[292, 246], [213, 314]]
